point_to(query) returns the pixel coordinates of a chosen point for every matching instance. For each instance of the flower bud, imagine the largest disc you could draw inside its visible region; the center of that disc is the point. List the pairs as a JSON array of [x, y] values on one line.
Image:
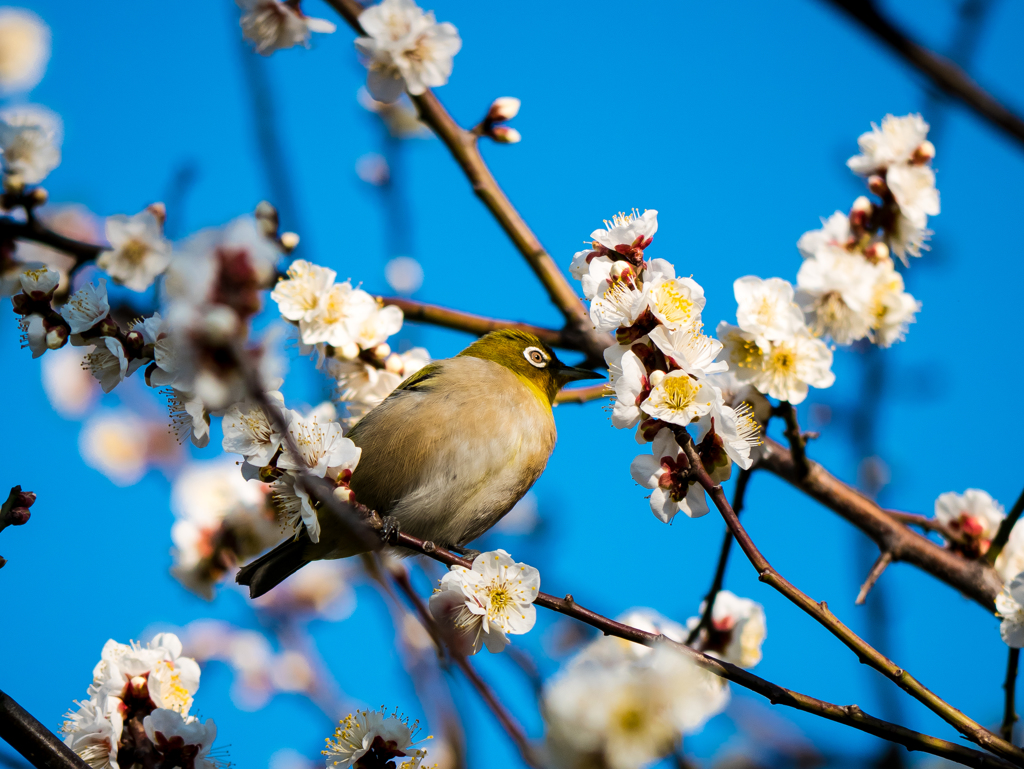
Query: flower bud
[[220, 324], [656, 378], [24, 498], [877, 185], [56, 338], [862, 205], [877, 252], [139, 686], [394, 364], [18, 516], [505, 135], [39, 196], [620, 268], [267, 219], [159, 210], [502, 109], [289, 241], [924, 153], [344, 494], [382, 351], [348, 351]]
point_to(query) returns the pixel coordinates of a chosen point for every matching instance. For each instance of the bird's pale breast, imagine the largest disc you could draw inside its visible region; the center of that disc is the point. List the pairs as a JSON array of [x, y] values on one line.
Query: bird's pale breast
[[450, 459]]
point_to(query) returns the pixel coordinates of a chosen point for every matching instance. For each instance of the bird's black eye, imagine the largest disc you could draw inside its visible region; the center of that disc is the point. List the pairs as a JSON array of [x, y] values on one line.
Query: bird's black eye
[[536, 356]]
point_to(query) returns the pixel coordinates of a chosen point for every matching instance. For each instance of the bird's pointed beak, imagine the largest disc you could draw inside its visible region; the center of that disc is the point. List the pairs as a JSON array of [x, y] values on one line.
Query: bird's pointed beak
[[575, 374]]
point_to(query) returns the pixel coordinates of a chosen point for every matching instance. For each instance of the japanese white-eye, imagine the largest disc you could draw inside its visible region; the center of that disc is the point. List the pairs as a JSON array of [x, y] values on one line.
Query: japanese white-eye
[[448, 453]]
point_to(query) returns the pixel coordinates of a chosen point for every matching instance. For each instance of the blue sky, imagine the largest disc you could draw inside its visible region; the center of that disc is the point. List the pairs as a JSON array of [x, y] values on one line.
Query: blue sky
[[734, 120]]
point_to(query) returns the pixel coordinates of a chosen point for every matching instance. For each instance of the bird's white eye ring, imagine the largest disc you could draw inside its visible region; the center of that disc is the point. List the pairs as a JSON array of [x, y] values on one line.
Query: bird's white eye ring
[[536, 356]]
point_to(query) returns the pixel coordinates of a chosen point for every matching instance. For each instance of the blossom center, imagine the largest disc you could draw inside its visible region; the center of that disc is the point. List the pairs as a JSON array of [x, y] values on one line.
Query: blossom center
[[745, 353], [782, 360], [675, 305], [134, 251], [500, 598], [678, 393]]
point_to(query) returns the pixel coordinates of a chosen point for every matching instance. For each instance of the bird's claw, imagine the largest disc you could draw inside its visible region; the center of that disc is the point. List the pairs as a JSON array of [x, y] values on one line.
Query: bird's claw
[[465, 552], [390, 528]]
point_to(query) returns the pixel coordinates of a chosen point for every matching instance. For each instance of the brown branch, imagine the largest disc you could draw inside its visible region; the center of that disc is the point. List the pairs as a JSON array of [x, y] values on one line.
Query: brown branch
[[943, 73], [876, 571], [797, 445], [1003, 535], [463, 146], [1010, 690], [467, 321], [921, 521], [505, 719], [723, 559], [975, 579], [820, 612], [584, 394], [850, 715], [41, 747], [11, 229]]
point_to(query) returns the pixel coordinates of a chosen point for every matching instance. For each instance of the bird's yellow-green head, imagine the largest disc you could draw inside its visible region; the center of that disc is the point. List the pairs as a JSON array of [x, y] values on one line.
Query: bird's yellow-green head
[[529, 359]]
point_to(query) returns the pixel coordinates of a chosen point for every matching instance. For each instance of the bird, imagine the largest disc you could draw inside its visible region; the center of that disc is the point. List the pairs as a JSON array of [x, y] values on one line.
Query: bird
[[447, 454]]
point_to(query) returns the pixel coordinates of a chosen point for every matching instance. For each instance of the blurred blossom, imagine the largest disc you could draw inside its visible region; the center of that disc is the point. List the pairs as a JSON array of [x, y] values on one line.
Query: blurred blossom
[[292, 672], [24, 50], [320, 589], [399, 116], [70, 388], [30, 137], [115, 443], [73, 221], [373, 169], [271, 25], [404, 274], [222, 519], [521, 519]]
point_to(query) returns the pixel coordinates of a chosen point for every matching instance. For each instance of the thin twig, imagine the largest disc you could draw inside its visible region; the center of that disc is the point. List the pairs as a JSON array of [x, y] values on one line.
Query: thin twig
[[467, 321], [35, 742], [975, 579], [1010, 691], [797, 445], [946, 75], [820, 612], [850, 715], [876, 571], [11, 229], [1003, 535], [586, 394], [922, 522], [508, 723], [723, 559]]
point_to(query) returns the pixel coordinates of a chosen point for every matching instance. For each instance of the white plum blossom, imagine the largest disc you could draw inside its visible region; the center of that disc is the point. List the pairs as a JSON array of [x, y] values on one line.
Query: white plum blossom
[[324, 451], [767, 308], [173, 733], [391, 737], [297, 509], [24, 50], [70, 388], [481, 606], [40, 282], [298, 295], [974, 516], [107, 363], [405, 49], [376, 326], [785, 369], [611, 650], [676, 302], [678, 398], [1010, 561], [617, 299], [341, 311], [629, 379], [139, 251], [116, 444], [834, 236], [632, 230], [836, 291], [737, 629], [913, 188], [690, 349], [665, 471], [86, 307], [33, 334], [737, 430], [892, 309], [908, 238], [30, 139], [190, 419], [93, 732], [250, 432], [1010, 609], [894, 143], [158, 668], [630, 714], [271, 25]]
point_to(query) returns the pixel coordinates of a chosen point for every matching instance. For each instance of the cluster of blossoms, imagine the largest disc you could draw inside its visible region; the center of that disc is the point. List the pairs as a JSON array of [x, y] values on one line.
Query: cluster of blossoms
[[483, 605], [623, 706], [137, 711], [271, 25], [663, 367], [372, 738], [347, 328]]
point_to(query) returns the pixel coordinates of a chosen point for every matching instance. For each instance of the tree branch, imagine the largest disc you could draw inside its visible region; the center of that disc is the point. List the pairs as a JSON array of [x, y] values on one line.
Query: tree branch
[[820, 612], [463, 146], [797, 445], [943, 73], [876, 571], [35, 742], [467, 321], [584, 394], [850, 715], [1010, 689], [975, 579], [1003, 535], [11, 229]]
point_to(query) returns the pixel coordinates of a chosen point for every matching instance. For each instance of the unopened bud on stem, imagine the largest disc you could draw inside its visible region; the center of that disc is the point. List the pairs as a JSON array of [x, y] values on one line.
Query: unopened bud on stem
[[877, 185], [924, 153], [505, 135], [159, 210], [289, 241], [502, 109]]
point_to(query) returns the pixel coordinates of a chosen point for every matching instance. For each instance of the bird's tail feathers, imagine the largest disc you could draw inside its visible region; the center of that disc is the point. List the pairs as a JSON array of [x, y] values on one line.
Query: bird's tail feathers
[[271, 569]]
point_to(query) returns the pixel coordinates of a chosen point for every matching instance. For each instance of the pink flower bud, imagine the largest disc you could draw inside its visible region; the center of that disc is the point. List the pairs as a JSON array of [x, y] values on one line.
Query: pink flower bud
[[17, 516], [502, 109], [877, 185], [877, 252], [24, 498], [862, 205], [505, 135], [923, 153], [344, 494], [39, 196], [159, 211]]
